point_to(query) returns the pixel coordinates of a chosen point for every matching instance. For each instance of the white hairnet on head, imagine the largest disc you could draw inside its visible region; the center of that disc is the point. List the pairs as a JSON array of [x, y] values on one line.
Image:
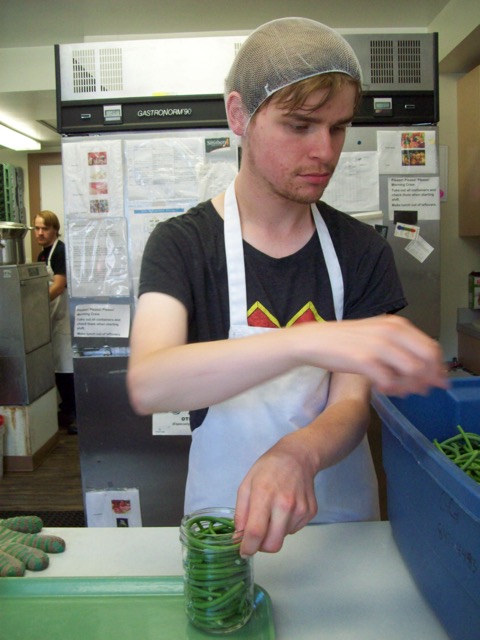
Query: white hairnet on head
[[283, 52]]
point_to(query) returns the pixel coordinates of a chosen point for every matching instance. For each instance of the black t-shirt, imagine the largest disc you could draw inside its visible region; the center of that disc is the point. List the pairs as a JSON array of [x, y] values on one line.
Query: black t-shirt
[[58, 262], [185, 257]]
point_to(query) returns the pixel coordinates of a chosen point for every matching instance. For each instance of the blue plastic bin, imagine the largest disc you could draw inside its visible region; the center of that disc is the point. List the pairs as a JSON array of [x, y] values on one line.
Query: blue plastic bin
[[433, 506]]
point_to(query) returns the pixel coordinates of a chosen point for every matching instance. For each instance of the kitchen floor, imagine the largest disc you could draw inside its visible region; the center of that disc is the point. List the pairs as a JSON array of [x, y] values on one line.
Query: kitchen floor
[[53, 486]]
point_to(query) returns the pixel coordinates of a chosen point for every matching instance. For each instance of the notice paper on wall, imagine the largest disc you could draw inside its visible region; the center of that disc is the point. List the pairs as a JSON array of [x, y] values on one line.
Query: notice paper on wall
[[169, 172], [98, 257], [113, 508], [419, 248], [407, 152], [421, 195], [93, 172], [354, 186], [102, 321], [171, 423]]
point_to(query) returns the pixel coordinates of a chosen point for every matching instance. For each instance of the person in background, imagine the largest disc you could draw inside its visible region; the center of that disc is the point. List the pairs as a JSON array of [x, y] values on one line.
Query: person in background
[[47, 234], [268, 314]]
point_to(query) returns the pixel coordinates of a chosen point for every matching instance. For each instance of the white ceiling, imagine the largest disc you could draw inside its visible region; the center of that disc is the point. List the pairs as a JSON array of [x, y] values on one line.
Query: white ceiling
[[29, 23]]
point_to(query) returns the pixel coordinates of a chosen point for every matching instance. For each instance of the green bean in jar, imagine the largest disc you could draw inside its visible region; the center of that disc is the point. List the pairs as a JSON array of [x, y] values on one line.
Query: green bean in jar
[[218, 582]]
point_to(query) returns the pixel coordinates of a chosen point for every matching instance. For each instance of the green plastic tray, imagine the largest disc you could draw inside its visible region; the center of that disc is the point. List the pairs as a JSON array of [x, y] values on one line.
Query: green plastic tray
[[123, 608]]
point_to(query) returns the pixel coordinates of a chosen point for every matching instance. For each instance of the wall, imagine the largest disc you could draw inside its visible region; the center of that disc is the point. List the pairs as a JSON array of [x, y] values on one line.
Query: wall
[[459, 256], [459, 51], [456, 23]]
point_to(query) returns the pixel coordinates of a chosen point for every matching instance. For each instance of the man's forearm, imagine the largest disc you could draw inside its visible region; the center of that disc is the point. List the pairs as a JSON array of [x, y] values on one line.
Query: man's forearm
[[340, 427], [394, 355]]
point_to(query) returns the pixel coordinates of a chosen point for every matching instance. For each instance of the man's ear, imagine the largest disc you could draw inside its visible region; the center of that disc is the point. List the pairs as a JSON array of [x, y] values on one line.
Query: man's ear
[[236, 113]]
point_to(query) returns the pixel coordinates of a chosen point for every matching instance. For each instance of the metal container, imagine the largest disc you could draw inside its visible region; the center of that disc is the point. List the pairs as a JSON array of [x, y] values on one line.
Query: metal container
[[26, 356], [12, 250]]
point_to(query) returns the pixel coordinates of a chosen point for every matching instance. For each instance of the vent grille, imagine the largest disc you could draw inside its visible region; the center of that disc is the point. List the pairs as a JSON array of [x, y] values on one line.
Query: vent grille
[[396, 61], [83, 71], [382, 62], [409, 62], [104, 70], [111, 70]]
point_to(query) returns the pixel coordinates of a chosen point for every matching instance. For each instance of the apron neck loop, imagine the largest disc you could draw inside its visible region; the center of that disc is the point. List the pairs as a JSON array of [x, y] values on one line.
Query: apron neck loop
[[237, 288], [331, 261], [51, 252]]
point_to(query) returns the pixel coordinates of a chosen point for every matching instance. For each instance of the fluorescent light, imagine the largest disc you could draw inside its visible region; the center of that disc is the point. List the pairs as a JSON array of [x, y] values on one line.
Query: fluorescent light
[[17, 141]]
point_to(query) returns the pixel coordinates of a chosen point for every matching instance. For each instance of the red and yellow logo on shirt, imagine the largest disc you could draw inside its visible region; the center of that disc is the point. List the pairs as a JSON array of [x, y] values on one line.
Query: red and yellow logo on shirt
[[259, 316]]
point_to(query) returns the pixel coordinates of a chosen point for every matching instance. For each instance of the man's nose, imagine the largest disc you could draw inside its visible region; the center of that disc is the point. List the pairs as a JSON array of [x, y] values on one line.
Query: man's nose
[[322, 146]]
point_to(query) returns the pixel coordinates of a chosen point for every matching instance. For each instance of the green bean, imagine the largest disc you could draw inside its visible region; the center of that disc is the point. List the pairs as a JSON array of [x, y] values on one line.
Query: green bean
[[213, 583], [463, 449], [214, 603], [465, 464], [199, 575]]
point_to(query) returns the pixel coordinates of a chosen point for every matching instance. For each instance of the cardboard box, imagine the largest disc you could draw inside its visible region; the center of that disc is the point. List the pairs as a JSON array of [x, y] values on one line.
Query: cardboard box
[[474, 290], [433, 506]]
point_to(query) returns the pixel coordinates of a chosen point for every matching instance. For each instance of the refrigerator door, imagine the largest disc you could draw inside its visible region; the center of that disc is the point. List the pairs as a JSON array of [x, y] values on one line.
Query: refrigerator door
[[117, 448], [117, 188]]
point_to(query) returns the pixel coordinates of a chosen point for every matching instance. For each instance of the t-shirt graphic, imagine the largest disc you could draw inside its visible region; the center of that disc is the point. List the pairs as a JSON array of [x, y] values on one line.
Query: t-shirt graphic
[[259, 316]]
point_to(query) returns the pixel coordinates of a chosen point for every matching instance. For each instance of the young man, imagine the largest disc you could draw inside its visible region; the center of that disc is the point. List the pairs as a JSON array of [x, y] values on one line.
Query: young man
[[47, 234], [253, 306]]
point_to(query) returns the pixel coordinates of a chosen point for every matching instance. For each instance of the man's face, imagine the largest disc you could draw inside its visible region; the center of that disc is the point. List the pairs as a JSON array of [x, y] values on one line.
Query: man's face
[[44, 235], [293, 155]]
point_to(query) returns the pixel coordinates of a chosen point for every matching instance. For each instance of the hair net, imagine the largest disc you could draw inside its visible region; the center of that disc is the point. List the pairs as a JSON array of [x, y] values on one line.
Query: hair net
[[283, 52]]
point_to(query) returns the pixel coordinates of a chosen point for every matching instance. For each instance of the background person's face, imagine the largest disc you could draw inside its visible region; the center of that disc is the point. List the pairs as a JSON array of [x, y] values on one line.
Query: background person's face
[[44, 235]]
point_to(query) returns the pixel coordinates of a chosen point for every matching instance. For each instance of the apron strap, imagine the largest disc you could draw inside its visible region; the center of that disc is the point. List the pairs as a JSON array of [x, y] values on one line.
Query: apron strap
[[331, 261], [237, 288], [51, 252]]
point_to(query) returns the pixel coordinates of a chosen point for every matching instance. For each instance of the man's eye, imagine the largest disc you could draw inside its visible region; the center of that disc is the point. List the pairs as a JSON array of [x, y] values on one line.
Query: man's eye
[[299, 126], [341, 127]]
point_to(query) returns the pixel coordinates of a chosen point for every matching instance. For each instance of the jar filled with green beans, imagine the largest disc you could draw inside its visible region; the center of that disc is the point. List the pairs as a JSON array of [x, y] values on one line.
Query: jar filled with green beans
[[218, 582]]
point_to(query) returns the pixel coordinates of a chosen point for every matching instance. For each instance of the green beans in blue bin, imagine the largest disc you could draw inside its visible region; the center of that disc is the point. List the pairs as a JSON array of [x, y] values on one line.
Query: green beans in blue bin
[[463, 450]]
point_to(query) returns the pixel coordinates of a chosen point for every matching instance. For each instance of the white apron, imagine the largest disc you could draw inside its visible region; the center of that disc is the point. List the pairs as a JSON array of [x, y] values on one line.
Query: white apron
[[60, 324], [236, 432]]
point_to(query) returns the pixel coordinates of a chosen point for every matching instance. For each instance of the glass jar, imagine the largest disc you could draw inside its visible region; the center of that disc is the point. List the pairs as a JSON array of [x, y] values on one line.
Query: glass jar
[[218, 582]]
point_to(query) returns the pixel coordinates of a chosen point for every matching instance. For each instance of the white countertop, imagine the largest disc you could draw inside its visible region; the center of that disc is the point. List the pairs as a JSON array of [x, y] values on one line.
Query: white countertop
[[329, 582]]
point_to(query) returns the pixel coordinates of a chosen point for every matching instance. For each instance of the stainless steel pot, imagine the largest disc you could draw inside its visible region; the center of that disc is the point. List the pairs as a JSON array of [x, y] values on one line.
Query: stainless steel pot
[[12, 250]]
